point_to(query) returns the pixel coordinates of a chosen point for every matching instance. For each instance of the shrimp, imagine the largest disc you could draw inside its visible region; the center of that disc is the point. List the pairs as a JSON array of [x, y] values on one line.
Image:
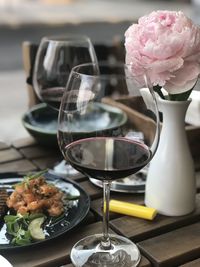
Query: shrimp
[[22, 210], [55, 210], [36, 195], [48, 190]]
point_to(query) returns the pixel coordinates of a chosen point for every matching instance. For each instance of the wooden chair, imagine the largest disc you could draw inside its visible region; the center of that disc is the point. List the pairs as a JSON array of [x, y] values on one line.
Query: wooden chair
[[104, 52]]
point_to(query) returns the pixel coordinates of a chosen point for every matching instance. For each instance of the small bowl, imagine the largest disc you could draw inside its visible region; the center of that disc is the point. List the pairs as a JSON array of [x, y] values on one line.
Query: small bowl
[[41, 122]]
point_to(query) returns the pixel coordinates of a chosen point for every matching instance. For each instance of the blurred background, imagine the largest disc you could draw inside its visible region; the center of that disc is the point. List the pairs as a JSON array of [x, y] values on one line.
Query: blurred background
[[30, 20]]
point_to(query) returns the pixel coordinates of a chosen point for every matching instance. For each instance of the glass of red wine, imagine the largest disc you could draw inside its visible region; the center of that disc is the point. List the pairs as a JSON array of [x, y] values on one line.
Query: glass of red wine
[[55, 58], [107, 153]]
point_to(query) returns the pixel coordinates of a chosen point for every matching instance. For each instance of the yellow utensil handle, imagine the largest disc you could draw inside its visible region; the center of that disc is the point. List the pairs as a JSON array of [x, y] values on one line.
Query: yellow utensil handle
[[132, 209]]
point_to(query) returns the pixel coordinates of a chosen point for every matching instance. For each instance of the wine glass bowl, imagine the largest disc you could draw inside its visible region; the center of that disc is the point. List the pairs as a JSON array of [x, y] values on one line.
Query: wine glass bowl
[[110, 154], [100, 117], [55, 58]]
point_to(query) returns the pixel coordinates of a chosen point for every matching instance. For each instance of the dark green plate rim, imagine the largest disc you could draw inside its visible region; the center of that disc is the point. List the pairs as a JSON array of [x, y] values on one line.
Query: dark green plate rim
[[44, 106]]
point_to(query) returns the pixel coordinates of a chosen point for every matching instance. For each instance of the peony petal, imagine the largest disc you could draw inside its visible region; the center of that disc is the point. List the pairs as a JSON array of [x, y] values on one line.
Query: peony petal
[[170, 65], [177, 89], [188, 72]]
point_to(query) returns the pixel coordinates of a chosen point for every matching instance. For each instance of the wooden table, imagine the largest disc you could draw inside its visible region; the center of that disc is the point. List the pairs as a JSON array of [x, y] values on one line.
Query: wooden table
[[165, 241]]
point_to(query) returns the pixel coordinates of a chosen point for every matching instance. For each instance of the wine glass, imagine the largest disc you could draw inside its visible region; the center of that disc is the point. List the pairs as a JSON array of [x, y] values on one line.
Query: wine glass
[[107, 153], [55, 58]]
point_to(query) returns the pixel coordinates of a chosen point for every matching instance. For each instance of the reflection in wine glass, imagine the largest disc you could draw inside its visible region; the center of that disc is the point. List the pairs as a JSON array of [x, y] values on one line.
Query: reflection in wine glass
[[55, 58], [106, 154]]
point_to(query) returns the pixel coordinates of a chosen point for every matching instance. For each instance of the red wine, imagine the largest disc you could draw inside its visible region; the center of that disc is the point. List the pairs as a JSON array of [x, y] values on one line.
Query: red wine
[[106, 158]]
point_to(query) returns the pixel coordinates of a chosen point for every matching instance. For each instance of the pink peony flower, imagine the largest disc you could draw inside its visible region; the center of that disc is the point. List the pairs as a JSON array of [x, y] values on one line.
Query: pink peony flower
[[166, 44]]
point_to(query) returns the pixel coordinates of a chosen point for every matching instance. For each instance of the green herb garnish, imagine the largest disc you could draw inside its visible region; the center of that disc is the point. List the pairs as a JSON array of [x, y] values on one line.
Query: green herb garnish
[[29, 177], [17, 227]]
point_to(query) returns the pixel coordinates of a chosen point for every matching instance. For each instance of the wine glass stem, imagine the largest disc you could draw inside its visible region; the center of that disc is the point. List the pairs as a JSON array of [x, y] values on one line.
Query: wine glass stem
[[105, 243]]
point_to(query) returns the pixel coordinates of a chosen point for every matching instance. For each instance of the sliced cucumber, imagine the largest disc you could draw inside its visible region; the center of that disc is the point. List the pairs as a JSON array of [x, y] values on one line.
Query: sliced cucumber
[[35, 228]]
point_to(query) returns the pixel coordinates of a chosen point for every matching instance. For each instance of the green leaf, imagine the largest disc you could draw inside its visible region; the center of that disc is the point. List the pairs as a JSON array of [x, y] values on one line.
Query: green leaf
[[22, 238], [10, 229], [16, 227], [36, 215], [10, 218], [180, 97], [71, 197], [37, 174]]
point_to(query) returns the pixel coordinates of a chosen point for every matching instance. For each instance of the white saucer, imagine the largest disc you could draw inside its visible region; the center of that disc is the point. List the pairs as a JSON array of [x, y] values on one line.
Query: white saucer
[[4, 262], [132, 184]]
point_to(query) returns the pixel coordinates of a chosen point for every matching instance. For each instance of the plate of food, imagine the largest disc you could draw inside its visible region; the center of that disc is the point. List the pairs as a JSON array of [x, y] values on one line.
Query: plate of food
[[38, 207]]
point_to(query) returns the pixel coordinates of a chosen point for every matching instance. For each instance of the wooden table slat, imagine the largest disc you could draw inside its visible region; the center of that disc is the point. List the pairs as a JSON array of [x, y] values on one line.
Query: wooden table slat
[[46, 162], [143, 263], [24, 142], [171, 249], [10, 154], [23, 165], [92, 190], [3, 145], [139, 229], [38, 151], [195, 263]]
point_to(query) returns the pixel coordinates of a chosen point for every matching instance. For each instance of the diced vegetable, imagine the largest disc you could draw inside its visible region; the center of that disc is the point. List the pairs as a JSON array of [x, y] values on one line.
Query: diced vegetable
[[36, 229]]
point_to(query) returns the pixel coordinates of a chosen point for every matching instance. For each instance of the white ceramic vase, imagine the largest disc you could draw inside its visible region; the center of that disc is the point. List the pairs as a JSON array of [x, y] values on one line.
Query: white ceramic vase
[[171, 185]]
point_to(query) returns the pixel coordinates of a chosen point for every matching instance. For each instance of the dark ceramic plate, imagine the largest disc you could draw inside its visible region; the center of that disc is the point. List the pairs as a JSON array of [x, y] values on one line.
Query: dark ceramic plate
[[76, 212], [41, 121]]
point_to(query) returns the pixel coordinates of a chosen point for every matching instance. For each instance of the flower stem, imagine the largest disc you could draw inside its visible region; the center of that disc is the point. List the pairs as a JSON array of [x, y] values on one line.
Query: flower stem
[[157, 89]]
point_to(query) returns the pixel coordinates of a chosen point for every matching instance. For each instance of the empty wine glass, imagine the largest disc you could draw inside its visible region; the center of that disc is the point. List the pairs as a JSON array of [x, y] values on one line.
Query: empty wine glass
[[55, 58], [106, 152]]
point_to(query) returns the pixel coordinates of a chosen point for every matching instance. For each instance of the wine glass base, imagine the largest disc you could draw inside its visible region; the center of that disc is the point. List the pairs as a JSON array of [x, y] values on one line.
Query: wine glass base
[[88, 252]]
